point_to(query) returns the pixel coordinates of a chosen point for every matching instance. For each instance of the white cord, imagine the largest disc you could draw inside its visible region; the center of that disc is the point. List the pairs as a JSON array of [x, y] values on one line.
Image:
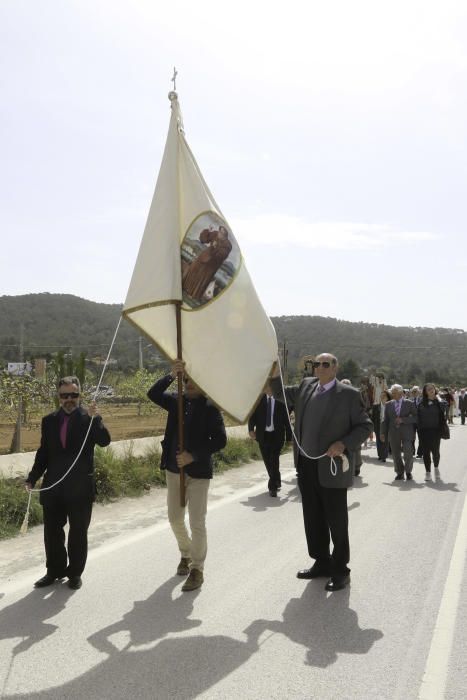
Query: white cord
[[47, 488], [333, 465]]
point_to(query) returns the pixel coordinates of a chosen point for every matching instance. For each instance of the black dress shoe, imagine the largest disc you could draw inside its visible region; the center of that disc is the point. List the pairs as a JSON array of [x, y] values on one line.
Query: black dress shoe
[[409, 477], [318, 570], [337, 583], [399, 477], [46, 580], [75, 582], [273, 492]]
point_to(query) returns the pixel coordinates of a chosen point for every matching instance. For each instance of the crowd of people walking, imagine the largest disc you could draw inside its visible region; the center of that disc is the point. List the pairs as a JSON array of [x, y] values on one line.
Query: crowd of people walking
[[400, 416]]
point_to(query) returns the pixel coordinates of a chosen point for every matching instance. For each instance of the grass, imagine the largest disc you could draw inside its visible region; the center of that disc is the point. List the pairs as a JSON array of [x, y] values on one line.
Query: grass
[[116, 477]]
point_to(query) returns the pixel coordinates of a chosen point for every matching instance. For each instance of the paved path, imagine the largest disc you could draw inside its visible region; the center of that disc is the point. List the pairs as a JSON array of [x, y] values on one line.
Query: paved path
[[19, 463], [254, 630]]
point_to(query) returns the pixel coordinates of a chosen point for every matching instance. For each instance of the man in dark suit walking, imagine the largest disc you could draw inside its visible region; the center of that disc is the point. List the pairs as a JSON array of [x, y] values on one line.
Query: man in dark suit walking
[[63, 435], [330, 422], [269, 425]]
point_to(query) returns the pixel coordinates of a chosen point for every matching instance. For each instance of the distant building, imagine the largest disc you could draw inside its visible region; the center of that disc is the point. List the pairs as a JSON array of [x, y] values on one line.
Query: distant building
[[19, 368]]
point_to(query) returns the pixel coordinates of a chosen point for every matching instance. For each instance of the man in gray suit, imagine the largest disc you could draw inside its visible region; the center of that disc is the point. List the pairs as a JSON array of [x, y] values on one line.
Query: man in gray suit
[[398, 426], [330, 426]]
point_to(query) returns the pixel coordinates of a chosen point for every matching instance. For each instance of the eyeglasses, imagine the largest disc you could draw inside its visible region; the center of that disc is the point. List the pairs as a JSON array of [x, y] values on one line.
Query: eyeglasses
[[69, 395], [326, 365]]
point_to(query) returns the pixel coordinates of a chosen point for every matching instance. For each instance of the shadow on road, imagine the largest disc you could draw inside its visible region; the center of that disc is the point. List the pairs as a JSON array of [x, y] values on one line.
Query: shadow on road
[[263, 501], [143, 661], [26, 618], [320, 622]]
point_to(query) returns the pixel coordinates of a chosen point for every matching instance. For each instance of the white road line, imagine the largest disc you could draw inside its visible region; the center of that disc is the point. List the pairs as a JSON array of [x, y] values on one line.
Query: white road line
[[434, 679]]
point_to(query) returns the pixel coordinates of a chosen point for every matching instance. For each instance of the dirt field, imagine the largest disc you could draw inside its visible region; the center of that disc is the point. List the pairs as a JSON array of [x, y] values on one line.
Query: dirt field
[[122, 421]]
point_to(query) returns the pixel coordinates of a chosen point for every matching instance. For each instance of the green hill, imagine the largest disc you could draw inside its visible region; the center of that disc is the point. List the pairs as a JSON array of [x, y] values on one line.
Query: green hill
[[54, 322]]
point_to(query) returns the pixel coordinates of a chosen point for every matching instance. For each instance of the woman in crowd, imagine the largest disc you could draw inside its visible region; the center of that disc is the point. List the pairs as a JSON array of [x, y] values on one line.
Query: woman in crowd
[[430, 419]]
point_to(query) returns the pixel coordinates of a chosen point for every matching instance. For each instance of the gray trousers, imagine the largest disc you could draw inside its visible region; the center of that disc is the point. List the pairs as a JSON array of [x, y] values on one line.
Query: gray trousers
[[401, 446]]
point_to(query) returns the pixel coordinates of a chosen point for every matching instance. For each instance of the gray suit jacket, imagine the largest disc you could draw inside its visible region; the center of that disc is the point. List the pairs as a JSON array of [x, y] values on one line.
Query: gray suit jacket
[[408, 415], [345, 420]]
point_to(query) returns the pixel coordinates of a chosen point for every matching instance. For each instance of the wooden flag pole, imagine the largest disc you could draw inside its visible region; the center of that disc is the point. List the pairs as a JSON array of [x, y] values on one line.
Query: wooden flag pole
[[181, 445]]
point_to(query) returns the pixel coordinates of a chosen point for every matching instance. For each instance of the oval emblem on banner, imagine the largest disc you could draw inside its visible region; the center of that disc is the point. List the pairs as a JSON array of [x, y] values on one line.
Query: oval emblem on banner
[[210, 260]]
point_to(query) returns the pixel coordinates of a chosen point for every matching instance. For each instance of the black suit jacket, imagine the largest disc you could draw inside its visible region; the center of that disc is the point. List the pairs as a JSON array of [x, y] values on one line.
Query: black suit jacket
[[204, 435], [52, 460], [257, 422]]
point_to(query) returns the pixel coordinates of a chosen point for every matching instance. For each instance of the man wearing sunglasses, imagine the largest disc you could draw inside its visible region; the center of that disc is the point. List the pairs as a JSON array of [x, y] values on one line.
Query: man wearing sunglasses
[[330, 420], [63, 434]]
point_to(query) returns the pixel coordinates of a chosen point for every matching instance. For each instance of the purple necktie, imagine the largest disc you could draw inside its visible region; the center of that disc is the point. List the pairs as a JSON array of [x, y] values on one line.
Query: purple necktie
[[398, 408], [321, 389], [63, 430]]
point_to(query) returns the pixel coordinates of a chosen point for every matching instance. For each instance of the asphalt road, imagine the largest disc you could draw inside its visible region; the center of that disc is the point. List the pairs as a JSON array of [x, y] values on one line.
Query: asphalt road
[[254, 630]]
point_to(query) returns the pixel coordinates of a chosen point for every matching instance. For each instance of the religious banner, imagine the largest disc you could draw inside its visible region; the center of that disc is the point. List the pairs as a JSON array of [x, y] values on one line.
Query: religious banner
[[189, 255]]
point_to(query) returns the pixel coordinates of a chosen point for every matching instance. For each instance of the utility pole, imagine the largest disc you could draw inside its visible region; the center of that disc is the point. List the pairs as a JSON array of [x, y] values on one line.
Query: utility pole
[[140, 348], [16, 444], [285, 354]]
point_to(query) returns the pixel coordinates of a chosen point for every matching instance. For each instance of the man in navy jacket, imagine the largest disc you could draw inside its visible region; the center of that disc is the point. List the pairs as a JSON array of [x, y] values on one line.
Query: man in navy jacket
[[204, 434]]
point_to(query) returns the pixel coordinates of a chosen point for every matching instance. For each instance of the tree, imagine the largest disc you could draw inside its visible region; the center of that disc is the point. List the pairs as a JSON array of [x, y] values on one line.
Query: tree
[[350, 370], [136, 386]]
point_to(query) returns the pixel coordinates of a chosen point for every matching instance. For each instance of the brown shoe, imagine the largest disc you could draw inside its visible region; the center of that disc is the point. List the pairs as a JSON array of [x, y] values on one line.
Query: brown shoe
[[183, 569], [194, 580]]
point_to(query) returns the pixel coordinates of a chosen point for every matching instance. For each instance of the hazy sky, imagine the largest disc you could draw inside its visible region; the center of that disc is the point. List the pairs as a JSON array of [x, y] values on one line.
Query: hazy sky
[[332, 134]]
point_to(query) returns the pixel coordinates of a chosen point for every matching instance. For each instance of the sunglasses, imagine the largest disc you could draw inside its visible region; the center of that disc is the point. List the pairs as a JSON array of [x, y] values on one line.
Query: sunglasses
[[326, 365], [69, 395]]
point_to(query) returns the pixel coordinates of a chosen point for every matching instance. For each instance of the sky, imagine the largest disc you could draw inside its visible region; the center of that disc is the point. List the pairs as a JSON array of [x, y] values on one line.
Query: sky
[[332, 135]]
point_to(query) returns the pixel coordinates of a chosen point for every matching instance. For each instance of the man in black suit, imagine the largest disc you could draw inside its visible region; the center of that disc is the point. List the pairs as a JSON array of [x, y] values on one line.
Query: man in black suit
[[64, 434], [204, 434], [330, 422], [269, 425]]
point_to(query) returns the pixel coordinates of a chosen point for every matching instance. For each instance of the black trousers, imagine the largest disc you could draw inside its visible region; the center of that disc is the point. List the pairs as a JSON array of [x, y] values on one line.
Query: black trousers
[[381, 447], [270, 452], [430, 439], [56, 516], [325, 517], [463, 412]]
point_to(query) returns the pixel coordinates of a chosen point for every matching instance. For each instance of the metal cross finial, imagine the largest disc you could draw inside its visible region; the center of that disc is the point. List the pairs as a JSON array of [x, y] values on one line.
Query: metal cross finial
[[174, 78]]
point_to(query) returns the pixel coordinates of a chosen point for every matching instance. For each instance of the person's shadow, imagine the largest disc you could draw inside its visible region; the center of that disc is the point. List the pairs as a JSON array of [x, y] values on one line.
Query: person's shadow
[[440, 485], [322, 623], [26, 618], [150, 620], [263, 501]]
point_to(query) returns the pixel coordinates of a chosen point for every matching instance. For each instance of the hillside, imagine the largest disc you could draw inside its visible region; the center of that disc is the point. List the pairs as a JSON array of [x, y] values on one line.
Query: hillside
[[55, 322]]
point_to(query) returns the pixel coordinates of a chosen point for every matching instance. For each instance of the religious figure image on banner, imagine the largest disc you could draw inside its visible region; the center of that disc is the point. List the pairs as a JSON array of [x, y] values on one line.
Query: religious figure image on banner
[[210, 259]]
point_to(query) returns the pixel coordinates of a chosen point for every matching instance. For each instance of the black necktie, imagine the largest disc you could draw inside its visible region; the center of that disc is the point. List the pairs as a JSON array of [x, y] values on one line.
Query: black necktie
[[269, 413]]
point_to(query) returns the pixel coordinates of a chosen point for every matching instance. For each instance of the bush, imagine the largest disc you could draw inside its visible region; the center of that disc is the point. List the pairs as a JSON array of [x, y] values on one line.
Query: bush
[[237, 451], [13, 504], [116, 477]]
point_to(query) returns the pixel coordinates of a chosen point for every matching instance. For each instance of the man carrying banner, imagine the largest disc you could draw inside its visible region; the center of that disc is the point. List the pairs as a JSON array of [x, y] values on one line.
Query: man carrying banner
[[330, 422], [204, 434]]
